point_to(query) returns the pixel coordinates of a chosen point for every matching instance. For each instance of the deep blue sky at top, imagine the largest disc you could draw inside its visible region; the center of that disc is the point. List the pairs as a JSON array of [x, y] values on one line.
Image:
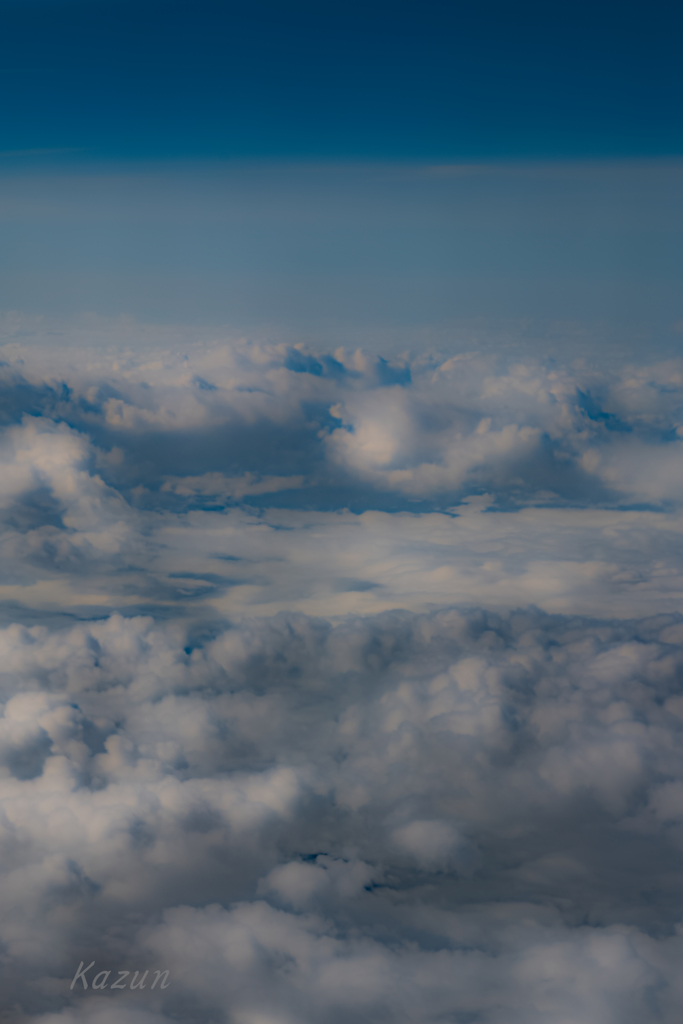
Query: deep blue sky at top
[[411, 79]]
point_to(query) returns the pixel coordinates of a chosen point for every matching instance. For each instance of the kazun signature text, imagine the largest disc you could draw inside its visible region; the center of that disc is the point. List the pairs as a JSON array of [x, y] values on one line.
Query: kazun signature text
[[101, 979]]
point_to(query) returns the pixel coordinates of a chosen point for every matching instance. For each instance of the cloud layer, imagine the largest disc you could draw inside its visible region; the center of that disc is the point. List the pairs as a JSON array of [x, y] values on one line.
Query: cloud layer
[[341, 688]]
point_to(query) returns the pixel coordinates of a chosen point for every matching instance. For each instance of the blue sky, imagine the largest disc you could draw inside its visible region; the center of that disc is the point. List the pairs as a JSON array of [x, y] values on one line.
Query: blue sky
[[427, 165], [394, 254], [303, 79]]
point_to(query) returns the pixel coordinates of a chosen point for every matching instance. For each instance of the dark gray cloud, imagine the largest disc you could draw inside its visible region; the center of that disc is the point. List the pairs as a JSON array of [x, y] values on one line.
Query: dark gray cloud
[[416, 760]]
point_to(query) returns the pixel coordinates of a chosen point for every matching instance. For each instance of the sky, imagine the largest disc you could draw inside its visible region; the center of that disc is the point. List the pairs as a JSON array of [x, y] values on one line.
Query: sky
[[354, 80], [377, 254], [341, 513], [315, 171]]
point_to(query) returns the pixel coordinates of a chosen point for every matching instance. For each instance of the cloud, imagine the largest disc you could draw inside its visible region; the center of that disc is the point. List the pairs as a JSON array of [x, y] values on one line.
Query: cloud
[[429, 842], [220, 486], [339, 689], [420, 427], [318, 821]]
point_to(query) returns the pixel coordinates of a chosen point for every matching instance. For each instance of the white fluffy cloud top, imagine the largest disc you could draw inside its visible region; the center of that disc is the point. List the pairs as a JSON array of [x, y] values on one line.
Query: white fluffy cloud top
[[341, 689]]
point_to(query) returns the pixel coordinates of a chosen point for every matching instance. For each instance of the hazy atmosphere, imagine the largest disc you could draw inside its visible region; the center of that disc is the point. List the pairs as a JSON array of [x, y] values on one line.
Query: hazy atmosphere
[[341, 513]]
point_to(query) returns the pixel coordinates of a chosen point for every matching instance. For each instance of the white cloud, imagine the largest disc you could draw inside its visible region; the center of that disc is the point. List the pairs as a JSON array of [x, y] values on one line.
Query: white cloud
[[399, 737], [429, 842]]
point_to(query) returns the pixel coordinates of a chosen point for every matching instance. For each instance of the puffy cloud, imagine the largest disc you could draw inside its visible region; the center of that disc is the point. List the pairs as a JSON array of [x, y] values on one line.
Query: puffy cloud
[[340, 689], [418, 426], [318, 821], [429, 842]]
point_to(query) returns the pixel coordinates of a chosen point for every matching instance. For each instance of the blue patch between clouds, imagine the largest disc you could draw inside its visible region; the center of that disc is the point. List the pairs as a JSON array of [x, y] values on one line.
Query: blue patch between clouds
[[594, 412]]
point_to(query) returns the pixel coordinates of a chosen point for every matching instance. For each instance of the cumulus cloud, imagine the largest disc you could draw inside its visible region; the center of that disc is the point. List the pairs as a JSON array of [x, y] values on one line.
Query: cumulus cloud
[[318, 821], [339, 689]]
